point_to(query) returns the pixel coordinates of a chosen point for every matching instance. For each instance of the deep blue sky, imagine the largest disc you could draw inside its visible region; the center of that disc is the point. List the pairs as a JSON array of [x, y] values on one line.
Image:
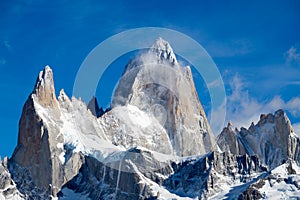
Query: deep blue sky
[[255, 44]]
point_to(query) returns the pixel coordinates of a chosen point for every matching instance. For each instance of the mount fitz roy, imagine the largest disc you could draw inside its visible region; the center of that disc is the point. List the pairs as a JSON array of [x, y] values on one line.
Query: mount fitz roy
[[154, 142]]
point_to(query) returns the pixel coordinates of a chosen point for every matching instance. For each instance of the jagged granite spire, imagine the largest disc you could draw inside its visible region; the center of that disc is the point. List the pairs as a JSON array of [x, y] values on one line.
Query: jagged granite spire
[[44, 88], [39, 152]]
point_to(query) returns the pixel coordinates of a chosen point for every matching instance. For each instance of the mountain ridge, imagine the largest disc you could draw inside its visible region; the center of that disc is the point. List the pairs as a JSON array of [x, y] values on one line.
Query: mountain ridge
[[66, 151]]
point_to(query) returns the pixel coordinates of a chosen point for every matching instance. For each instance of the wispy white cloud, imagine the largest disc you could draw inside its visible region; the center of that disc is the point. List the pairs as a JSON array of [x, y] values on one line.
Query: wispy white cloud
[[2, 61], [7, 44], [242, 109], [291, 55], [293, 106], [296, 128]]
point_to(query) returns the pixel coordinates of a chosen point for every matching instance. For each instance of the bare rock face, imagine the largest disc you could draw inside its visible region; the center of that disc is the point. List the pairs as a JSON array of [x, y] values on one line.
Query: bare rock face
[[44, 88], [156, 84], [229, 141], [272, 139]]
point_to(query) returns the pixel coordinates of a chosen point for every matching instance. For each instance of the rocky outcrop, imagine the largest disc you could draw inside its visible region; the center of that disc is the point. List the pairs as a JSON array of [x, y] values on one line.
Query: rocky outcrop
[[205, 177], [8, 188], [130, 177], [229, 141], [272, 139]]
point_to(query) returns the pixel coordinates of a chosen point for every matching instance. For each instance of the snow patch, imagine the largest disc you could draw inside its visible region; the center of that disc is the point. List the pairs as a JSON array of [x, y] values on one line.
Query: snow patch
[[62, 157]]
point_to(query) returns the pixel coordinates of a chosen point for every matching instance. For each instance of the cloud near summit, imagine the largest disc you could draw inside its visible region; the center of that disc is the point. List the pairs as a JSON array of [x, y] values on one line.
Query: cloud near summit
[[242, 109]]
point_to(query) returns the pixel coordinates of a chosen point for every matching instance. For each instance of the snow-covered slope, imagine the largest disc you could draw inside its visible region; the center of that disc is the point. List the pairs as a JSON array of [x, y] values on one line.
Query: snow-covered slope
[[283, 182]]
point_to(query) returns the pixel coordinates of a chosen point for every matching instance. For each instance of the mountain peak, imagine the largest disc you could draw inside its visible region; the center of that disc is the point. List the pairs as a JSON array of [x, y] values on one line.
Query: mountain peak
[[163, 50], [230, 125], [44, 88], [162, 44], [156, 84]]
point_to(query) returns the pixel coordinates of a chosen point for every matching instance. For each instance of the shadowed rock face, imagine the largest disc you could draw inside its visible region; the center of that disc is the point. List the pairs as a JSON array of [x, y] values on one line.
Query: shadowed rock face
[[272, 139], [94, 107]]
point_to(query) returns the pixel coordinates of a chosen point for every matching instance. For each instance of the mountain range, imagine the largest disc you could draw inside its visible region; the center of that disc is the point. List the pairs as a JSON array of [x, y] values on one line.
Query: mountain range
[[154, 142]]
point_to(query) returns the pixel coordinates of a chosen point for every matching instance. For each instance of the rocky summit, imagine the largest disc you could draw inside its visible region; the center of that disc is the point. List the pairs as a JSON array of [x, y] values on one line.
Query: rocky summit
[[154, 142]]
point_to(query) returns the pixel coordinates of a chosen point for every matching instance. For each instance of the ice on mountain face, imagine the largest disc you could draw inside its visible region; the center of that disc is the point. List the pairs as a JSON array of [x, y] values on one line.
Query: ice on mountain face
[[158, 86]]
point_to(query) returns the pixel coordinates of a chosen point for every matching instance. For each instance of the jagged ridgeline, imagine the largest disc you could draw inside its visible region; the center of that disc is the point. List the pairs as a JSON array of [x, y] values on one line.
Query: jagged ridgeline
[[154, 142]]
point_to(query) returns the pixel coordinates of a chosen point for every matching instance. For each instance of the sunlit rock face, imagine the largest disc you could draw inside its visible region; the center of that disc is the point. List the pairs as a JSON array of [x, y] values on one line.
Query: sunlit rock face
[[157, 85]]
